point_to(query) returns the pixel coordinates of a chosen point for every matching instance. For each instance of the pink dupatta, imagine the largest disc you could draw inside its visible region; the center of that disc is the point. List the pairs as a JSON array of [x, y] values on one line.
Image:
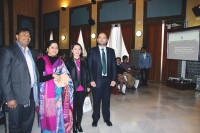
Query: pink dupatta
[[49, 109]]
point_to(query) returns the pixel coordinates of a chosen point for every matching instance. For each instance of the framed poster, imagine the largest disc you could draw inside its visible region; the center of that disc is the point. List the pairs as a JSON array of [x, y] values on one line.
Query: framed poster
[[27, 22]]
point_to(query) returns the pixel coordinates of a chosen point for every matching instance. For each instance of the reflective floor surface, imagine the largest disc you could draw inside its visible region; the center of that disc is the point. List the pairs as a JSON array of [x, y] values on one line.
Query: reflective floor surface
[[155, 108]]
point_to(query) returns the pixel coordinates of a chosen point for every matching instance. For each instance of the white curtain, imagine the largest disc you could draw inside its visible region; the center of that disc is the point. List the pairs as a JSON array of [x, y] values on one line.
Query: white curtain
[[51, 35], [80, 41], [116, 41]]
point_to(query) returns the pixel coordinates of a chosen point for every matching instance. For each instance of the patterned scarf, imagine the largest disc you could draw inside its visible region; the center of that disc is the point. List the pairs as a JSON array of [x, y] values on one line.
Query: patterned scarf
[[49, 101]]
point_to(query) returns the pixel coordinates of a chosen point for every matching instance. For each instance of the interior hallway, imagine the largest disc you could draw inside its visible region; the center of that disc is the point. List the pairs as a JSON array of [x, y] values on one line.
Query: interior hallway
[[153, 109]]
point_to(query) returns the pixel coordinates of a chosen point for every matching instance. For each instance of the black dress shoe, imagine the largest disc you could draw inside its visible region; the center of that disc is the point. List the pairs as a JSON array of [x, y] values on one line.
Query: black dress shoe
[[122, 93], [79, 128], [134, 88], [141, 84], [94, 123], [108, 122], [74, 129]]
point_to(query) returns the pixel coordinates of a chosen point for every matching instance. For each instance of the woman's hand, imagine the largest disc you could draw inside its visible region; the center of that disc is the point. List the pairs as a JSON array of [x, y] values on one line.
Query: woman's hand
[[93, 84], [88, 89], [65, 85], [56, 77]]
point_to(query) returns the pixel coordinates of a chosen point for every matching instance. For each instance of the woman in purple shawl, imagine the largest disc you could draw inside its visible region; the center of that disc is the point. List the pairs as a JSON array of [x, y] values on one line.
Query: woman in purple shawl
[[56, 103]]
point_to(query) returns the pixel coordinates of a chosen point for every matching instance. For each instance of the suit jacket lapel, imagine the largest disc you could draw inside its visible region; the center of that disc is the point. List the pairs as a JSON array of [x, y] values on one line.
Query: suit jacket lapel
[[142, 56], [98, 58], [98, 53], [82, 68], [20, 54], [73, 69]]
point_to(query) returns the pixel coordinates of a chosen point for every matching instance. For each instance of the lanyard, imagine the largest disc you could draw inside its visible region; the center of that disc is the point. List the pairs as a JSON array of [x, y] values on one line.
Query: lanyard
[[76, 65]]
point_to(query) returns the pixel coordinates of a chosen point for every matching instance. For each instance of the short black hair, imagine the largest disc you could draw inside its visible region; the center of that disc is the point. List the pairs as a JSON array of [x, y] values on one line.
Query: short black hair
[[118, 58], [143, 48], [21, 30], [50, 42], [124, 57]]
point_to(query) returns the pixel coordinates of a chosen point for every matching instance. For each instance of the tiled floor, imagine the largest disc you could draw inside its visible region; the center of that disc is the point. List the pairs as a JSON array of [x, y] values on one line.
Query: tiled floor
[[153, 109]]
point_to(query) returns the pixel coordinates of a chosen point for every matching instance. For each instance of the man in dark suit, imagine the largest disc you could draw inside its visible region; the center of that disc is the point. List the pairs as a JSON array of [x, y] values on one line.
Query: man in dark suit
[[120, 69], [19, 82], [102, 65]]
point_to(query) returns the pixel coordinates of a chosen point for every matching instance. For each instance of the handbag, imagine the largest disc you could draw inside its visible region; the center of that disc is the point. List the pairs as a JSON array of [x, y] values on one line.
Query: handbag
[[87, 106], [115, 91]]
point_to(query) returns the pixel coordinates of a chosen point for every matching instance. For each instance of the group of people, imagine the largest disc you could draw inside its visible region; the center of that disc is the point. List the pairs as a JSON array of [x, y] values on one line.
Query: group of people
[[30, 86], [127, 74], [124, 77]]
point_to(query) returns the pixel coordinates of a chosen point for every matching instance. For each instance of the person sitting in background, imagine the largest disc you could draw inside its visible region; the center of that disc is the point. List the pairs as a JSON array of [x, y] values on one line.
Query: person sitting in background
[[129, 69], [120, 74], [63, 57]]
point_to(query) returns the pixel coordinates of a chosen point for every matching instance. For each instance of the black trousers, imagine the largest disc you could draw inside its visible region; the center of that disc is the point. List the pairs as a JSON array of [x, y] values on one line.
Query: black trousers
[[79, 97], [144, 75], [21, 119], [101, 94]]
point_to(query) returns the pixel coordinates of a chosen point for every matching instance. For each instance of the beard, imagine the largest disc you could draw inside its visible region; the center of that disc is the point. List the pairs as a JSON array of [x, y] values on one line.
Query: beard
[[102, 44]]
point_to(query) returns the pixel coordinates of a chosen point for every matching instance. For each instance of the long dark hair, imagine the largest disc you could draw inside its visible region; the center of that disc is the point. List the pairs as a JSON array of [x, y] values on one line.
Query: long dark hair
[[71, 54]]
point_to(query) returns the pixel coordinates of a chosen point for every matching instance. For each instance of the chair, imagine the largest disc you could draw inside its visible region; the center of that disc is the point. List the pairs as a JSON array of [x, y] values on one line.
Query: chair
[[3, 115]]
